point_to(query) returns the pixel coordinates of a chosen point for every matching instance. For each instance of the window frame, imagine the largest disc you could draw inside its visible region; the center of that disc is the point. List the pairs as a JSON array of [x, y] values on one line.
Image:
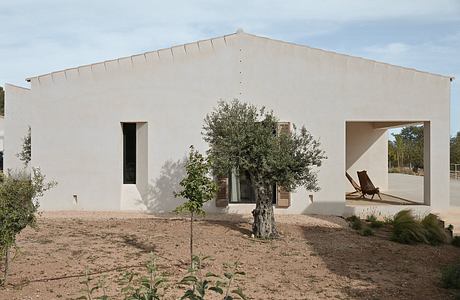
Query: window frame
[[230, 189]]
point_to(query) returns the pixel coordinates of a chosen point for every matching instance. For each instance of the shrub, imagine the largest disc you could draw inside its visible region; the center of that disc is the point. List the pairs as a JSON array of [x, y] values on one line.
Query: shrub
[[367, 232], [374, 223], [435, 233], [19, 194], [450, 276], [456, 241], [198, 284], [355, 222], [407, 230]]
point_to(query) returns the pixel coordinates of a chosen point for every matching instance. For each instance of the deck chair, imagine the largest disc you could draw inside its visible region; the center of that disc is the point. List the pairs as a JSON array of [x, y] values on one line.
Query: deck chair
[[367, 187], [354, 184]]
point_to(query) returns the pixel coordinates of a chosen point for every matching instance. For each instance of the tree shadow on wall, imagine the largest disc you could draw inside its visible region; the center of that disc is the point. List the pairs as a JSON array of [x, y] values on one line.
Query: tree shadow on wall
[[159, 197]]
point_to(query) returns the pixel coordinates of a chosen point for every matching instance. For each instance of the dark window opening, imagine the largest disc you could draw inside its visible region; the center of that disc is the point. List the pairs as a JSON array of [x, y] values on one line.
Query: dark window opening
[[129, 153], [241, 189]]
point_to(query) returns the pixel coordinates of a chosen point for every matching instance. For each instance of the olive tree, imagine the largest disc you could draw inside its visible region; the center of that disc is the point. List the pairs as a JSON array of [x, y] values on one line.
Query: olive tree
[[244, 137], [198, 188]]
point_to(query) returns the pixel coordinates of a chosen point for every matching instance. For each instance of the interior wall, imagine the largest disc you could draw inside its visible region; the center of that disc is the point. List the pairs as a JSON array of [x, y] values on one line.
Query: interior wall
[[367, 149]]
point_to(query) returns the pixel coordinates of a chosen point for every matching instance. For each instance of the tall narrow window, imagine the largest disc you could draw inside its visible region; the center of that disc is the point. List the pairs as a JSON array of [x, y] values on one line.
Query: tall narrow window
[[129, 153]]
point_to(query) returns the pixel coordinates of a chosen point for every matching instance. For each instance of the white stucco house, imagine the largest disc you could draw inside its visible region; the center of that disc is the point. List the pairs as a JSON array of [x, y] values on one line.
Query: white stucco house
[[113, 133]]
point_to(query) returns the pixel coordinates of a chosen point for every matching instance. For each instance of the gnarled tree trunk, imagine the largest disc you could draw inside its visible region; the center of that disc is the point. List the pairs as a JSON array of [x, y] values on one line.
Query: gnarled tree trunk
[[264, 217]]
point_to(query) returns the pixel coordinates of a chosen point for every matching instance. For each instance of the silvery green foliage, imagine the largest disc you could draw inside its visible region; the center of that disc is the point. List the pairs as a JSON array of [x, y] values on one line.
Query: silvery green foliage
[[242, 136]]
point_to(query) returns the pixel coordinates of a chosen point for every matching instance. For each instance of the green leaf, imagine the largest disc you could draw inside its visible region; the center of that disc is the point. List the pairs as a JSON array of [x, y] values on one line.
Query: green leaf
[[240, 293], [210, 274], [217, 289]]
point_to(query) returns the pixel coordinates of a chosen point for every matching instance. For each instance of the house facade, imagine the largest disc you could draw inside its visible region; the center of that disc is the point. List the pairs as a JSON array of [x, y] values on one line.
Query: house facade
[[114, 134]]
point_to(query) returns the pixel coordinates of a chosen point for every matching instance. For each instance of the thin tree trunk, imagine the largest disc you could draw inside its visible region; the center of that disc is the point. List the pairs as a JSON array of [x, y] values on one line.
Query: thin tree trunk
[[5, 271], [191, 239], [264, 225]]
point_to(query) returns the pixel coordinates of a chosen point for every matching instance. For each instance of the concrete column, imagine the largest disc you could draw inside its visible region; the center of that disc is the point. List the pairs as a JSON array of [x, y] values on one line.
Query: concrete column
[[427, 163], [436, 164]]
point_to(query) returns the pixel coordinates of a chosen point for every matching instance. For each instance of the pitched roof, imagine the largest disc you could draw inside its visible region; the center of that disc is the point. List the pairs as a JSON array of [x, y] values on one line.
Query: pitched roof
[[239, 31]]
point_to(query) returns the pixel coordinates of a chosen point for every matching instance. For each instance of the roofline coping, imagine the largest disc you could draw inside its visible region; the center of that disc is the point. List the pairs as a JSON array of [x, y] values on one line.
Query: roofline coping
[[240, 31]]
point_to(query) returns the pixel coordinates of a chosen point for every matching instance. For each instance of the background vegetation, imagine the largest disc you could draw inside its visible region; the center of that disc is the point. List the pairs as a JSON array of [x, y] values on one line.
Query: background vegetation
[[406, 150]]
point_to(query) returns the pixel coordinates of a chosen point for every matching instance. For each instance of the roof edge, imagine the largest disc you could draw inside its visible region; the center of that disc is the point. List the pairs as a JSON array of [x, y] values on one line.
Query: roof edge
[[28, 79], [240, 31], [17, 86], [352, 56]]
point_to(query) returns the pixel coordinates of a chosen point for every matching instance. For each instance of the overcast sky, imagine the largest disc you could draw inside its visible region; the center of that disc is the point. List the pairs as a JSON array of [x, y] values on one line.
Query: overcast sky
[[38, 37]]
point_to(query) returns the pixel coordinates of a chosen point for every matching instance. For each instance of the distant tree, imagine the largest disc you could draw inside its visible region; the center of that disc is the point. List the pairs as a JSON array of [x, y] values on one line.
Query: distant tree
[[243, 137], [2, 101], [26, 150], [392, 154], [400, 150], [198, 188], [455, 149], [413, 139], [407, 147]]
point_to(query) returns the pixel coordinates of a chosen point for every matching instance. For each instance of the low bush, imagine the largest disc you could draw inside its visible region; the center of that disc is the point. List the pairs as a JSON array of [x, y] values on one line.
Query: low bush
[[19, 194], [367, 231], [450, 276], [456, 241], [374, 222], [355, 222], [407, 229], [435, 233]]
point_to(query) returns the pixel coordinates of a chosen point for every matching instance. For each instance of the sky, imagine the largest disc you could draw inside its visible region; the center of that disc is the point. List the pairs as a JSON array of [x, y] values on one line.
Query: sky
[[37, 37]]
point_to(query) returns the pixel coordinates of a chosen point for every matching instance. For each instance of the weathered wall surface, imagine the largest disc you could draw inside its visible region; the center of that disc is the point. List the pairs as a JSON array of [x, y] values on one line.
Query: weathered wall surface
[[76, 116]]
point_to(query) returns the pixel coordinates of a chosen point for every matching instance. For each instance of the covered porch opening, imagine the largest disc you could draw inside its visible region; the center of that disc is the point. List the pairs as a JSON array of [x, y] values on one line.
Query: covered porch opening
[[366, 149]]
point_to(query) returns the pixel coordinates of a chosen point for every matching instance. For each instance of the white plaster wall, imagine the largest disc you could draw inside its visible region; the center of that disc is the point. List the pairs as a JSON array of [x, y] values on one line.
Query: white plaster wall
[[2, 132], [77, 138], [366, 149], [18, 117]]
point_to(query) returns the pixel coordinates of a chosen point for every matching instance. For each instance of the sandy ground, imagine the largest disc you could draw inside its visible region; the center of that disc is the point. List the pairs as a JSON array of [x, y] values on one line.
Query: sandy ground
[[316, 258]]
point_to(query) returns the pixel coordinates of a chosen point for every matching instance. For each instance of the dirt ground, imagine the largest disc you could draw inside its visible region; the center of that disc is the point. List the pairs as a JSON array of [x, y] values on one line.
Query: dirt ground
[[316, 258]]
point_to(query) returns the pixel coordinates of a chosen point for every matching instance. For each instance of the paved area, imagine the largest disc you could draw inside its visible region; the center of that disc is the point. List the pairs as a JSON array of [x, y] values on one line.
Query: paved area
[[411, 187], [386, 200]]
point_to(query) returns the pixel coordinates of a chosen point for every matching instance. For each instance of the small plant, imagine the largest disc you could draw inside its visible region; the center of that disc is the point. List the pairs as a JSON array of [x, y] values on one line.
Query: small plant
[[407, 230], [367, 232], [89, 289], [456, 241], [450, 276], [374, 222], [355, 222], [199, 284], [150, 285], [435, 233], [198, 188], [19, 194]]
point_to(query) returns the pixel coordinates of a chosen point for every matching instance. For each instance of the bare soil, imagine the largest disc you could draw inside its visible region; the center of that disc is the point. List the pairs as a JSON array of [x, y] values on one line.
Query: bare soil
[[316, 257]]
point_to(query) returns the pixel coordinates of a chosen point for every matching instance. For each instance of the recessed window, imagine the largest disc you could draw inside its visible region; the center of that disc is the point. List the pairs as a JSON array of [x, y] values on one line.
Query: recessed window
[[241, 188], [129, 153]]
